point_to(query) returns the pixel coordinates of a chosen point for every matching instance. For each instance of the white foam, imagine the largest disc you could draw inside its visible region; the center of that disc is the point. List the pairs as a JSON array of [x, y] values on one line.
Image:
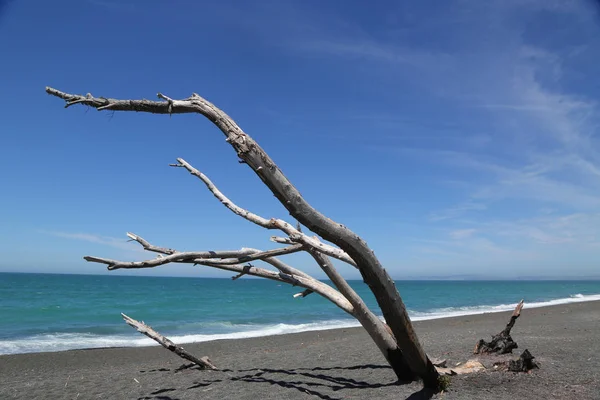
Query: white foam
[[70, 341], [484, 309], [278, 329]]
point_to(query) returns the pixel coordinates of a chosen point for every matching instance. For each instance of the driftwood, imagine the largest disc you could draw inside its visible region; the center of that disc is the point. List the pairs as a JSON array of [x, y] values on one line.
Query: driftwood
[[399, 345], [468, 367], [524, 363], [501, 343], [141, 327]]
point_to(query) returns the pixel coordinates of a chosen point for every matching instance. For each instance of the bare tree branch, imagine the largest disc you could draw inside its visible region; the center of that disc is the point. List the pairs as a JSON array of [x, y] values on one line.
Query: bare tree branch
[[295, 235], [295, 280], [218, 257], [189, 256], [141, 327], [256, 256], [372, 324], [148, 246], [258, 220], [282, 240], [268, 258], [286, 274], [283, 267], [258, 160], [304, 293], [312, 242], [244, 272]]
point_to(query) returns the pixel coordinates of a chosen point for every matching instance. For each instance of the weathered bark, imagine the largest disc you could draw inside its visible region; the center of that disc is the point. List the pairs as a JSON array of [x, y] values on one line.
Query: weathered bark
[[286, 274], [373, 325], [295, 235], [201, 257], [524, 363], [373, 273], [266, 256], [141, 327], [148, 246], [347, 299], [501, 343], [471, 366]]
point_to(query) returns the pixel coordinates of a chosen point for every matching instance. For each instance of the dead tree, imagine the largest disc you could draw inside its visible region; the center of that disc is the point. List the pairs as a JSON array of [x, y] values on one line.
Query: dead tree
[[502, 343], [401, 348], [524, 363]]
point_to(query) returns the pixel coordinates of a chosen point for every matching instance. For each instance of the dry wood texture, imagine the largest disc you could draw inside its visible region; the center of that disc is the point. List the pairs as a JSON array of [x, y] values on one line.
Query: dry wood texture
[[141, 327], [501, 343], [402, 347]]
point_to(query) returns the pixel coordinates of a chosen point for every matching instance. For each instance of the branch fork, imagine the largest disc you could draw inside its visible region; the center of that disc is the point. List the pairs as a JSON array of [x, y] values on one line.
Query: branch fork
[[401, 348]]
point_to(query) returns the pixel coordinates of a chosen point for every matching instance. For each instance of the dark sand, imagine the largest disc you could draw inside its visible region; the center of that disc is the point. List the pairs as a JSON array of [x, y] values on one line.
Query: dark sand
[[335, 364]]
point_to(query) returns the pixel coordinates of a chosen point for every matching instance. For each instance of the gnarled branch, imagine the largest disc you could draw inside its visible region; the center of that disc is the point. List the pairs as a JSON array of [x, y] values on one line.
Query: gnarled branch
[[141, 327], [148, 246], [224, 257], [501, 343], [223, 260], [188, 256], [315, 285], [372, 324], [258, 160], [295, 235], [256, 256]]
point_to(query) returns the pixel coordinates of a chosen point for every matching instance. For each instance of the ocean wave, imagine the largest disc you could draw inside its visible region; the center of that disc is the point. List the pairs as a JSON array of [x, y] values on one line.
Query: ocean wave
[[69, 341], [484, 309], [72, 341]]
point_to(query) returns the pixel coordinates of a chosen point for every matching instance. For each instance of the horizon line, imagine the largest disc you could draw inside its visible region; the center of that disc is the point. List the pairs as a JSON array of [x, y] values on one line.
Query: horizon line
[[413, 278]]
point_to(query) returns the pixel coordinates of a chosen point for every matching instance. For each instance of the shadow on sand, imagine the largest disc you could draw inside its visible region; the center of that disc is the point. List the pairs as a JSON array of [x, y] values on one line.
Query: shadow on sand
[[323, 383]]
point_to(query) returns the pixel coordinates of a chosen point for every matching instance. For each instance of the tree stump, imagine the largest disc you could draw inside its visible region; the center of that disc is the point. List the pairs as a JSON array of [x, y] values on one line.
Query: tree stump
[[502, 343], [524, 363]]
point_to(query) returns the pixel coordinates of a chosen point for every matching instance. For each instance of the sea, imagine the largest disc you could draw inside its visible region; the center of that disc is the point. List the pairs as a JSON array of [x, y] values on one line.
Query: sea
[[52, 312]]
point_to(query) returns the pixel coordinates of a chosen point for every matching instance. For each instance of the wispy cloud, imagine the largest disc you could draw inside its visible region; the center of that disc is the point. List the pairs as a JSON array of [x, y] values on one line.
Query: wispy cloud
[[580, 229], [374, 52], [456, 211], [122, 244], [545, 147], [462, 233], [514, 107], [472, 251], [509, 119], [542, 149], [546, 240]]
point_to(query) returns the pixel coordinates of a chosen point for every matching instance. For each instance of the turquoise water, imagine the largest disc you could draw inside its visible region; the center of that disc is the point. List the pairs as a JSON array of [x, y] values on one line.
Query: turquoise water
[[45, 312]]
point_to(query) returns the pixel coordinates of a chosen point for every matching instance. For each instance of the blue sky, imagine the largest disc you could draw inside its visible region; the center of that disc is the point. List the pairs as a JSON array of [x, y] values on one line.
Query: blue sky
[[456, 137]]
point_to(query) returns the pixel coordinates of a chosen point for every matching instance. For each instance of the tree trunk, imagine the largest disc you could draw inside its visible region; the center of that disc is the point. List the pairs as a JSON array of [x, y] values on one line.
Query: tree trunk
[[378, 330], [373, 273]]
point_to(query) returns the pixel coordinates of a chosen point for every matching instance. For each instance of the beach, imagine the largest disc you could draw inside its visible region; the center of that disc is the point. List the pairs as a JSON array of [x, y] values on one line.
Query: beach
[[329, 364]]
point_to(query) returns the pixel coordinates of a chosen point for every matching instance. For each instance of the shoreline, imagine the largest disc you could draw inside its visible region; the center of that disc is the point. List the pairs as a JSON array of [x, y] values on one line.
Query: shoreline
[[314, 326], [328, 364]]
